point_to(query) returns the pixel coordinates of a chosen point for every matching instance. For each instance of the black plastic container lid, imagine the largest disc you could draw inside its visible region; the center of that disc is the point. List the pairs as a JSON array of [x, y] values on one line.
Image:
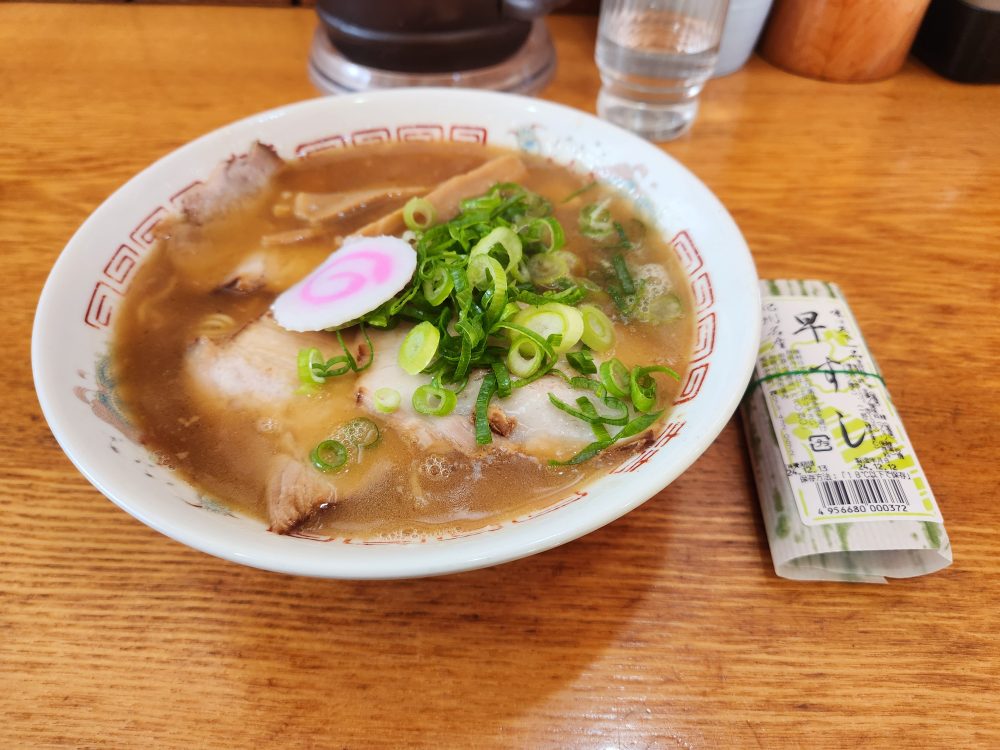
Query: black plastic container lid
[[960, 40]]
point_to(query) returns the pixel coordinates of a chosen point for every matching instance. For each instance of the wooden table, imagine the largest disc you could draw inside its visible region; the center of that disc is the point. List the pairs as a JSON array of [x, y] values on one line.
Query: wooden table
[[667, 628]]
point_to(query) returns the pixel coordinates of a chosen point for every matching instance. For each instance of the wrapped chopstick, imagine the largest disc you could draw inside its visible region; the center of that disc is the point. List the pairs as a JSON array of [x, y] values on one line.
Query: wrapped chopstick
[[842, 493]]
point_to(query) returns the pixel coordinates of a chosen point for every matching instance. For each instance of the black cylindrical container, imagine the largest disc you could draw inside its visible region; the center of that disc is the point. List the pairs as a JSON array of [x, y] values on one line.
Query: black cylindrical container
[[960, 39], [429, 36]]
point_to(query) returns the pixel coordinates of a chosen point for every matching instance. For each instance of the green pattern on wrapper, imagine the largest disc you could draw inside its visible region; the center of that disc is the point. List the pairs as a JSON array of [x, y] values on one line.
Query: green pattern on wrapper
[[828, 449]]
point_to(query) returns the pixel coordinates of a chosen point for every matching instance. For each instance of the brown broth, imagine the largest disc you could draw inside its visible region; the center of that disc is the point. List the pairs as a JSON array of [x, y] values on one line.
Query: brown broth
[[224, 452]]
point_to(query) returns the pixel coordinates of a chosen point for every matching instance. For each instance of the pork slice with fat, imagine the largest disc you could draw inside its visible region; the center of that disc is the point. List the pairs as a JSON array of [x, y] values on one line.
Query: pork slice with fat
[[275, 270], [256, 370], [255, 367], [295, 492], [526, 422], [240, 178], [270, 268], [428, 432]]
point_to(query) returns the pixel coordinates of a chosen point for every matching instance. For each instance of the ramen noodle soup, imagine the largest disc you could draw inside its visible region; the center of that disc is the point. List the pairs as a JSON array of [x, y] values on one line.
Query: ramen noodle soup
[[400, 340]]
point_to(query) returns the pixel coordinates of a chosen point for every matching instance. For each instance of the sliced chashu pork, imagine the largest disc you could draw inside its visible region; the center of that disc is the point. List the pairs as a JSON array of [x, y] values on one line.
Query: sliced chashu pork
[[268, 268], [240, 178], [453, 431], [526, 422], [255, 367], [234, 184], [256, 371]]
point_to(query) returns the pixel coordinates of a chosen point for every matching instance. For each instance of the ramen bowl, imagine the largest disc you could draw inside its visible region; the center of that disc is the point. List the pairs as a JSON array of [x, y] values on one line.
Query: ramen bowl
[[78, 307]]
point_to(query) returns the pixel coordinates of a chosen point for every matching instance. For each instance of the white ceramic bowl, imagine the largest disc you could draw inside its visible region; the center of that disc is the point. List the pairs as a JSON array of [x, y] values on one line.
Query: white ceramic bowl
[[76, 313]]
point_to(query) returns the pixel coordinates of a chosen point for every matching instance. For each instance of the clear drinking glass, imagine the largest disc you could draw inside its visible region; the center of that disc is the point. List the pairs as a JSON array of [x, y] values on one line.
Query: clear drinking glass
[[654, 57]]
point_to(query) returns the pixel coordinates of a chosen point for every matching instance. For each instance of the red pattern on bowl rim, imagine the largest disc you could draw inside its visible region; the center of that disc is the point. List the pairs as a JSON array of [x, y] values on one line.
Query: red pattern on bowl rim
[[114, 269]]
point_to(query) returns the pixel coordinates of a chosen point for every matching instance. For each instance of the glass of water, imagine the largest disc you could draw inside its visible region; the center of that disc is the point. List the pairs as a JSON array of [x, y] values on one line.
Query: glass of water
[[654, 57]]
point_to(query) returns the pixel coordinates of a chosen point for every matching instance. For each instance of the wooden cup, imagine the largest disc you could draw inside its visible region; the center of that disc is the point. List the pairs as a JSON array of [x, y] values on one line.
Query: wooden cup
[[842, 40]]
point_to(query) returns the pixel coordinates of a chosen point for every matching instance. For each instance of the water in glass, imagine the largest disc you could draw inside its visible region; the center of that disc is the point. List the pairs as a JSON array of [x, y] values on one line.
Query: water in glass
[[654, 59]]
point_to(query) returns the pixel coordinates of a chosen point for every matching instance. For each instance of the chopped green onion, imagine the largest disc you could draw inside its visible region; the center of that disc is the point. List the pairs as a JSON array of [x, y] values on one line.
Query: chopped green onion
[[524, 357], [495, 291], [521, 273], [562, 405], [642, 387], [621, 271], [340, 365], [419, 214], [661, 368], [661, 309], [582, 361], [438, 286], [598, 331], [620, 419], [546, 232], [462, 293], [613, 402], [507, 239], [638, 424], [479, 267], [329, 455], [502, 375], [482, 423], [619, 299], [615, 377], [313, 371], [430, 399], [579, 192], [419, 347], [588, 384], [348, 358], [554, 318], [387, 400], [561, 375], [545, 268], [543, 343], [627, 241], [311, 360], [572, 294], [623, 241], [587, 407], [632, 429], [586, 454], [371, 350], [595, 220], [510, 311], [471, 336]]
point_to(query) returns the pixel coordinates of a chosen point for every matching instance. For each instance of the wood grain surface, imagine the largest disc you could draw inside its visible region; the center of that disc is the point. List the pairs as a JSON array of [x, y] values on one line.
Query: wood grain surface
[[667, 628]]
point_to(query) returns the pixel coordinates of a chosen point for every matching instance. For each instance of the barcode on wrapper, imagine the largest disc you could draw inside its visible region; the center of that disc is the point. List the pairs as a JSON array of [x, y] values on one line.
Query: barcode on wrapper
[[839, 492], [844, 449]]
